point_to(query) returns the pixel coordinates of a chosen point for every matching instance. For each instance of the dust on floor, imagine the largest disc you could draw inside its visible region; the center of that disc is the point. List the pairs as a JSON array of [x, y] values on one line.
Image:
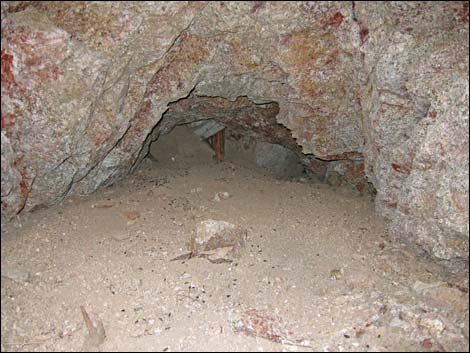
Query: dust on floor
[[318, 272]]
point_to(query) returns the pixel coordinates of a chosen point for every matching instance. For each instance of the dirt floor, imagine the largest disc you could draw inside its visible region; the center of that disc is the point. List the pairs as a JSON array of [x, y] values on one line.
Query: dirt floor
[[319, 271]]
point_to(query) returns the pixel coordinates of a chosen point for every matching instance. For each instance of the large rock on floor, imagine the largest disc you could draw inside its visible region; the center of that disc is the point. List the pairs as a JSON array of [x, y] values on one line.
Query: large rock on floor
[[214, 234], [218, 241], [278, 160]]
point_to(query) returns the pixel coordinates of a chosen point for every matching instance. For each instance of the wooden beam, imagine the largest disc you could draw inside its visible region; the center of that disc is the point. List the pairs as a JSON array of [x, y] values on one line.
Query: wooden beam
[[218, 144]]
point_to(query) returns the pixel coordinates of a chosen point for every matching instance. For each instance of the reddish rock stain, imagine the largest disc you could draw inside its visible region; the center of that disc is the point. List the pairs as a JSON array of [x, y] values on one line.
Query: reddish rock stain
[[392, 204], [332, 57], [427, 343], [462, 13], [285, 39], [7, 72], [8, 119], [335, 20], [23, 5], [23, 187], [256, 6], [39, 54], [456, 203], [343, 156], [363, 33], [400, 169]]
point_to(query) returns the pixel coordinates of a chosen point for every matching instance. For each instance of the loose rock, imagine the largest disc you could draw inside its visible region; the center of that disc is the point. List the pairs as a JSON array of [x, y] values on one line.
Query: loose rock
[[218, 241], [15, 274]]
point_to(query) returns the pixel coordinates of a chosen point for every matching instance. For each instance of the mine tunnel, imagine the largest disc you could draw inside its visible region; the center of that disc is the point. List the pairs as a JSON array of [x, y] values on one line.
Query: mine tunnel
[[237, 176], [238, 131]]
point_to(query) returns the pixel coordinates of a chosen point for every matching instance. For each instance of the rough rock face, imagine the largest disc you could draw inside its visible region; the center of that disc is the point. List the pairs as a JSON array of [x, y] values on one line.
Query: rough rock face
[[415, 109], [84, 84]]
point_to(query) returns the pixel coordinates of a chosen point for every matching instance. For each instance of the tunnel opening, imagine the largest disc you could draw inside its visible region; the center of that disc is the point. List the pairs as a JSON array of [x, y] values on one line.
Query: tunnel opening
[[238, 131], [248, 132]]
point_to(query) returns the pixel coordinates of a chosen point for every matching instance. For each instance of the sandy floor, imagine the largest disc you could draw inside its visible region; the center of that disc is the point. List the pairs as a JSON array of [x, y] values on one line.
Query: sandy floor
[[318, 268]]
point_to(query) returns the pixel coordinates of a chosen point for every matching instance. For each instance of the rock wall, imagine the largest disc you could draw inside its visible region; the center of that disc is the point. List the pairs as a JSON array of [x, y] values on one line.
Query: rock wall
[[415, 110], [84, 84]]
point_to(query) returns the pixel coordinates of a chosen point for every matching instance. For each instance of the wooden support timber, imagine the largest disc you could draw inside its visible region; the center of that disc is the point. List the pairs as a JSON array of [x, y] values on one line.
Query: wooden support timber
[[217, 142]]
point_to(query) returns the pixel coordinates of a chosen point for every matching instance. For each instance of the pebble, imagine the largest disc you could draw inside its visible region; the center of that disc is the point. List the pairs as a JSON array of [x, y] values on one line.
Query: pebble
[[15, 274], [433, 325], [120, 236], [336, 274], [221, 196], [427, 343]]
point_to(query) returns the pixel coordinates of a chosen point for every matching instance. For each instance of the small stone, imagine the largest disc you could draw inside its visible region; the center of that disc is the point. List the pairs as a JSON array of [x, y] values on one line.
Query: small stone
[[336, 274], [131, 215], [15, 274], [138, 307], [396, 322], [221, 196], [120, 236], [102, 205], [435, 326], [427, 343]]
